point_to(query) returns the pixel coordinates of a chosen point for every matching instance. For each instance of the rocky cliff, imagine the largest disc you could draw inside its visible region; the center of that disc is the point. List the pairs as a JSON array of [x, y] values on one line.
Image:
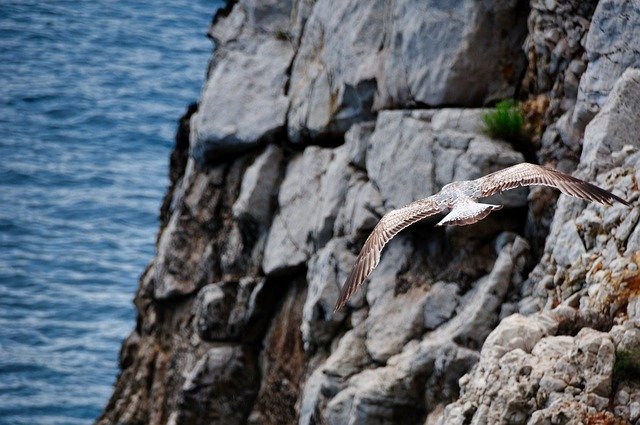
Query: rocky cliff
[[316, 117]]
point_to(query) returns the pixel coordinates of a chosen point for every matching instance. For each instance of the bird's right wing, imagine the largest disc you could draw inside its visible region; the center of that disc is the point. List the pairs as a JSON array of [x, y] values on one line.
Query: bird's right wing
[[526, 174], [389, 226]]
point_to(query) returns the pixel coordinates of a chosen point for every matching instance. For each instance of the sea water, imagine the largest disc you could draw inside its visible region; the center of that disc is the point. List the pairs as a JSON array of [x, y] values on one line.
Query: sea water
[[90, 93]]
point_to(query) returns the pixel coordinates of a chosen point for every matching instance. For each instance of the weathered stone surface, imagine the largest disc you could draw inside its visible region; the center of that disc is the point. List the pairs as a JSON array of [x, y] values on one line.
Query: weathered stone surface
[[362, 207], [426, 62], [310, 198], [586, 254], [333, 76], [220, 388], [223, 310], [440, 304], [243, 101], [186, 254], [259, 188], [611, 49], [327, 271], [215, 302], [438, 146], [393, 319], [400, 54], [526, 373]]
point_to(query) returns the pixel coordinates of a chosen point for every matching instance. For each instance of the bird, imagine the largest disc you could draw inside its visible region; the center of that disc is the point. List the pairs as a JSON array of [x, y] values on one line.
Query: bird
[[460, 197]]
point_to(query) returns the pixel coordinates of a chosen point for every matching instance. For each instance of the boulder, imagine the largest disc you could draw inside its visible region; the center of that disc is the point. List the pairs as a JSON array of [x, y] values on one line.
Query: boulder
[[427, 62], [610, 48], [259, 189], [243, 101], [310, 197], [438, 146], [356, 58]]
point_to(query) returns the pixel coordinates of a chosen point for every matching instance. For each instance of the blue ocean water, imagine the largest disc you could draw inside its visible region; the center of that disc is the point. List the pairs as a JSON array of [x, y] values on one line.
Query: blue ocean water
[[90, 93]]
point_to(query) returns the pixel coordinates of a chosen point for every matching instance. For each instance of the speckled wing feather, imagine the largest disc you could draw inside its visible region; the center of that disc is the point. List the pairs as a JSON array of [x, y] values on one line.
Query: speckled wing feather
[[530, 174], [389, 226]]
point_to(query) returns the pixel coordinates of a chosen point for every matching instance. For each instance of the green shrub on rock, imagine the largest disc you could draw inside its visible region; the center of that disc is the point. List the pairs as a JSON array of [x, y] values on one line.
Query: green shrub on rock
[[505, 122]]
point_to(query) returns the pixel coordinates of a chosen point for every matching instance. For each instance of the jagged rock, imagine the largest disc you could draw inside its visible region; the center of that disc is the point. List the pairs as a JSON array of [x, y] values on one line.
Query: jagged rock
[[613, 132], [393, 319], [611, 49], [184, 258], [282, 361], [333, 76], [439, 146], [260, 187], [397, 352], [222, 310], [362, 208], [480, 307], [357, 138], [213, 306], [440, 304], [426, 62], [310, 198], [327, 271], [527, 373], [400, 52], [404, 389], [220, 388], [587, 245], [243, 101]]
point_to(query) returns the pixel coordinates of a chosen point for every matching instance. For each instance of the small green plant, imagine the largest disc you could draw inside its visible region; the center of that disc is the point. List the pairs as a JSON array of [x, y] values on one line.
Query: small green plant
[[627, 365], [506, 122]]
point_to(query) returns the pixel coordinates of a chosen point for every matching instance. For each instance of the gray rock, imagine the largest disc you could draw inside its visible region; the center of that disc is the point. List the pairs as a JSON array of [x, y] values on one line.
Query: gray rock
[[310, 198], [222, 384], [610, 47], [212, 308], [440, 304], [362, 207], [438, 146], [400, 54], [357, 138], [615, 128], [243, 101], [333, 76], [259, 188], [327, 271], [428, 62], [184, 252], [393, 319], [480, 307], [526, 373], [582, 251]]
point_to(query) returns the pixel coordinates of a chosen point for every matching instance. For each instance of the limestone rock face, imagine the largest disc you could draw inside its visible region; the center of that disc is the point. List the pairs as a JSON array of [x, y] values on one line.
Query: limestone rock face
[[357, 57], [439, 146], [313, 123], [588, 255], [610, 50], [426, 62], [243, 101], [333, 77], [526, 374]]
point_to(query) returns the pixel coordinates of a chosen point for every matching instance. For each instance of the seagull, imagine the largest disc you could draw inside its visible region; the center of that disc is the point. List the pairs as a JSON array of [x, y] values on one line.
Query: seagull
[[460, 197]]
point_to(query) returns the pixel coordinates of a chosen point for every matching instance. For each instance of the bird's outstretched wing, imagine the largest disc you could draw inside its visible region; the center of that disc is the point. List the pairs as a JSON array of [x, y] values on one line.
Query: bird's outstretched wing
[[526, 174], [389, 226]]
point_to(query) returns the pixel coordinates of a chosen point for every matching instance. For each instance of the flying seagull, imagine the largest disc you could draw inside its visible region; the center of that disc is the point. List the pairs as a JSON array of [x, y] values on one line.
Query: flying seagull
[[461, 198]]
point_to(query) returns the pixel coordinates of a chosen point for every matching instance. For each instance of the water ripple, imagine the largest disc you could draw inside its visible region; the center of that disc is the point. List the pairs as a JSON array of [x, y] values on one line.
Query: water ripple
[[89, 99]]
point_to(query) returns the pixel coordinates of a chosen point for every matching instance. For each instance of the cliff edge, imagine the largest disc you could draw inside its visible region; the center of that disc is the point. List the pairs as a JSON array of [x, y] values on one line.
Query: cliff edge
[[316, 117]]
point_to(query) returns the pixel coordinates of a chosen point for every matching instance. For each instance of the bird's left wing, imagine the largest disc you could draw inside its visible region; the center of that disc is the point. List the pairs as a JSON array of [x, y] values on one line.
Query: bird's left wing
[[389, 226]]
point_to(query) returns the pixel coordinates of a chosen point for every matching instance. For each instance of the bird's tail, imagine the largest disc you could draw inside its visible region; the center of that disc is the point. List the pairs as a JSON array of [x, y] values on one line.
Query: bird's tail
[[467, 212]]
